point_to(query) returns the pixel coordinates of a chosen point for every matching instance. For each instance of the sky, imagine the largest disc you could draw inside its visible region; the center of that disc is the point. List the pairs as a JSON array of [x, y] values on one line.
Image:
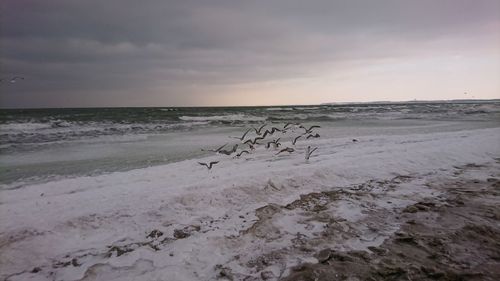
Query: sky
[[96, 53]]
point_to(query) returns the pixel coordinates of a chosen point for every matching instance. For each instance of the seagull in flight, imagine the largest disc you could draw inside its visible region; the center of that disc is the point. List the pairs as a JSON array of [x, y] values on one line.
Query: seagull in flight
[[214, 150], [313, 136], [288, 149], [229, 152], [208, 165], [241, 153], [308, 131], [295, 140], [259, 131], [275, 143], [309, 152], [244, 135]]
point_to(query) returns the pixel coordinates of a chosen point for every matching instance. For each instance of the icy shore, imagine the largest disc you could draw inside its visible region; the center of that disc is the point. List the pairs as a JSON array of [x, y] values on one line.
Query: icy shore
[[245, 218]]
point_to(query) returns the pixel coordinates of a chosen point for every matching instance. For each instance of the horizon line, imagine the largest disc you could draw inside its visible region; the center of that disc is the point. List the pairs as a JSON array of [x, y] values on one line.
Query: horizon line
[[282, 105]]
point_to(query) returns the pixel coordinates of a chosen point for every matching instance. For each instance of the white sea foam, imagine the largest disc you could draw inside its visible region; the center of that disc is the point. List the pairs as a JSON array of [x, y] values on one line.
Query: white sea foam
[[23, 127]]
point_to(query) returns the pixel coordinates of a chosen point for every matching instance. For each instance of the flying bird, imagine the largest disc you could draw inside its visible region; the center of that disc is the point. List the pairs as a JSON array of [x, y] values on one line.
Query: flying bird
[[287, 125], [250, 145], [309, 152], [209, 165], [288, 149], [354, 140], [259, 131], [313, 136], [214, 150], [241, 153], [270, 132], [308, 131], [274, 142], [229, 152], [295, 140], [242, 137]]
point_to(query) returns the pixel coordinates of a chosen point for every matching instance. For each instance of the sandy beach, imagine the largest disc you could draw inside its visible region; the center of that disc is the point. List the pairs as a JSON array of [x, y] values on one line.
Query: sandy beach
[[411, 204]]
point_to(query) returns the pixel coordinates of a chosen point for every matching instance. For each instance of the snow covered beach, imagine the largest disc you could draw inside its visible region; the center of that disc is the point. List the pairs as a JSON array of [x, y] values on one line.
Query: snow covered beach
[[254, 217]]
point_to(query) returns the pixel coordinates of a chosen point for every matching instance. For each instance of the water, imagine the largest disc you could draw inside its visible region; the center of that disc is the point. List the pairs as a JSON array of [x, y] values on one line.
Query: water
[[45, 144]]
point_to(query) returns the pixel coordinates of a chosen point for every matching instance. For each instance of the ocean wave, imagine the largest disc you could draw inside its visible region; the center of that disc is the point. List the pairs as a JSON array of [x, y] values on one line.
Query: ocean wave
[[279, 108], [24, 126], [232, 117]]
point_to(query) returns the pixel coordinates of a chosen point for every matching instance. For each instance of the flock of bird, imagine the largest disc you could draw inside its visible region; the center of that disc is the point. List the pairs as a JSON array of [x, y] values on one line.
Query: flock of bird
[[262, 137]]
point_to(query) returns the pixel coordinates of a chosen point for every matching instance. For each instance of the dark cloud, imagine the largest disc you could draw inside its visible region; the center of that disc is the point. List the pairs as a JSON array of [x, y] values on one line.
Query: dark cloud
[[154, 50]]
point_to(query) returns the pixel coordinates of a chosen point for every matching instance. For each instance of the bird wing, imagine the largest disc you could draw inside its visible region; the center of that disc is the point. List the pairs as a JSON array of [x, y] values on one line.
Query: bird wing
[[213, 163], [203, 164], [218, 149], [310, 152], [245, 134]]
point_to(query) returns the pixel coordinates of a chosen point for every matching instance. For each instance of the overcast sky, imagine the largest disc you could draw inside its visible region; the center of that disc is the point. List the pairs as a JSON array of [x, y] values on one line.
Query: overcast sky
[[180, 53]]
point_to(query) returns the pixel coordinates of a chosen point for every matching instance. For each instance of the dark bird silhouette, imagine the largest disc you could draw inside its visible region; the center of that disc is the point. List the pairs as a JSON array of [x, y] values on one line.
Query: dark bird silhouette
[[214, 150], [287, 149], [259, 130], [287, 125], [309, 152], [229, 152], [209, 165], [308, 131], [241, 153], [295, 140], [250, 144], [257, 139], [354, 140], [313, 136], [271, 132], [274, 142], [242, 137]]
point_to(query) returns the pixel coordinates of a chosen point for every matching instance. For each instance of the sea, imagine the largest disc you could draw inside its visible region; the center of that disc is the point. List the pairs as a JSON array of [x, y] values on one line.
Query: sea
[[40, 145]]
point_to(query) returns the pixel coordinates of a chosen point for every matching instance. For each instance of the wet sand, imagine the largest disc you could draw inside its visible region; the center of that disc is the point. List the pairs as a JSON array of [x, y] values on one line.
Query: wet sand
[[453, 236]]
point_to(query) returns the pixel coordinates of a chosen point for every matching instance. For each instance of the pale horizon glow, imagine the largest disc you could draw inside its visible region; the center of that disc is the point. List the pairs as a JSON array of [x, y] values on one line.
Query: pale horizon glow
[[247, 54]]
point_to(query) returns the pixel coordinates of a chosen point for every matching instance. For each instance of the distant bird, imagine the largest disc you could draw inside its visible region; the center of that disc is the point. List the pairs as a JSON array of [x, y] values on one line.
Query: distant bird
[[241, 153], [208, 165], [288, 149], [15, 78], [309, 152], [354, 140], [242, 137], [287, 125], [257, 139], [229, 152], [271, 132], [308, 131], [313, 136], [275, 142], [259, 131], [295, 140], [250, 145], [214, 150]]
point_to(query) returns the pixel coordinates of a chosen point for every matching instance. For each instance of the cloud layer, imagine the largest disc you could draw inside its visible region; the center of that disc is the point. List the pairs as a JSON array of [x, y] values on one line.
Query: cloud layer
[[144, 53]]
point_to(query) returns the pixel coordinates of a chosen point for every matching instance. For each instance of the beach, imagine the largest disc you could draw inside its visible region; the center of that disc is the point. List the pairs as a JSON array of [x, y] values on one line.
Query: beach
[[398, 193]]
